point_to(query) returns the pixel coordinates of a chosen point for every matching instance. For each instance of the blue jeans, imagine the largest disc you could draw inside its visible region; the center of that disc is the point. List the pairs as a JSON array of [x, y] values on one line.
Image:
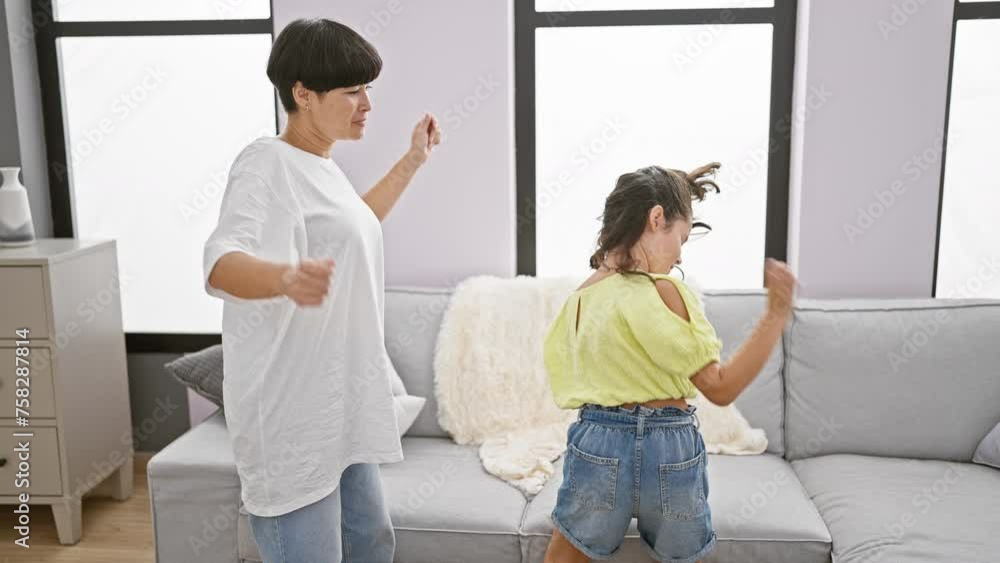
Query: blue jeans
[[639, 463], [349, 525]]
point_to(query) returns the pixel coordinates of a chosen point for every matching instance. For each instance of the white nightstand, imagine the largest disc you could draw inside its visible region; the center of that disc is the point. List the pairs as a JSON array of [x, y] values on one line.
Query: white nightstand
[[66, 292]]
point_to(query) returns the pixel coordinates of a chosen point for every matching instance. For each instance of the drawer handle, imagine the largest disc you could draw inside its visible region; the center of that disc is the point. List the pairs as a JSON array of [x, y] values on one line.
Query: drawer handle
[[3, 461]]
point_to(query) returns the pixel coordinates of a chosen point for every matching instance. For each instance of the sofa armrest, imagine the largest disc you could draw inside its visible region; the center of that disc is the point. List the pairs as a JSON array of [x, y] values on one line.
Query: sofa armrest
[[194, 495]]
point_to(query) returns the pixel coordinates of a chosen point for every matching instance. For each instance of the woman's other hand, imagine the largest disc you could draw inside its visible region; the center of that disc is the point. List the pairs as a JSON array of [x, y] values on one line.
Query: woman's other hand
[[426, 134], [307, 283], [780, 283]]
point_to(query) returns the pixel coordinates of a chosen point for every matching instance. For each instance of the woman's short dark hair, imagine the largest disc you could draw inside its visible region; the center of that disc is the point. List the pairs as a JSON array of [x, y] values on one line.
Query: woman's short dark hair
[[324, 55]]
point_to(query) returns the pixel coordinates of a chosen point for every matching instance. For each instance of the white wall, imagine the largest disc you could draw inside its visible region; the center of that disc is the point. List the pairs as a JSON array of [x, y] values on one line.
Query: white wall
[[884, 66], [455, 59]]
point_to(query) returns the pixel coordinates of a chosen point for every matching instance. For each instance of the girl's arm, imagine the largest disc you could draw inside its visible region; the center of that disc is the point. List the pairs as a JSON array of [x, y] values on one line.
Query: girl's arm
[[721, 384]]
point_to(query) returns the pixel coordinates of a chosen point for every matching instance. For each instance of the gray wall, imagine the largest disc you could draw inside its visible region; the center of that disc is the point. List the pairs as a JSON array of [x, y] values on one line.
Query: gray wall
[[885, 102], [22, 139], [885, 74]]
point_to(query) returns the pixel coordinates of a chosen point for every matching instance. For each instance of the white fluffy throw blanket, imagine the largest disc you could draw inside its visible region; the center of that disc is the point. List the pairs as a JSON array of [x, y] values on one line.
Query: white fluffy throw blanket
[[493, 390]]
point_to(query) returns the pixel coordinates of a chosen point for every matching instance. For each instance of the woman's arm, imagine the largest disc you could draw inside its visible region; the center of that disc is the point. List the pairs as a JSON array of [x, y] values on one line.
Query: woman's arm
[[721, 384], [384, 194], [247, 277]]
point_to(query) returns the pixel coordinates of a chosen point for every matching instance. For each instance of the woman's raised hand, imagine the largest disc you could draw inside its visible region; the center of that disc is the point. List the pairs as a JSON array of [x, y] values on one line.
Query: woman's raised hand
[[307, 283], [426, 134]]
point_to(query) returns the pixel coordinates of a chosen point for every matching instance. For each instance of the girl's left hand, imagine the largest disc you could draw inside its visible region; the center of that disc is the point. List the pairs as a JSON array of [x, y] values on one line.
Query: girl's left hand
[[426, 134]]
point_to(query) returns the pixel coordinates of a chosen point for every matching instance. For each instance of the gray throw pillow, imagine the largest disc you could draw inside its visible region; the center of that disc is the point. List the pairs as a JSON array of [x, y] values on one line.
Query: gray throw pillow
[[988, 452], [201, 371]]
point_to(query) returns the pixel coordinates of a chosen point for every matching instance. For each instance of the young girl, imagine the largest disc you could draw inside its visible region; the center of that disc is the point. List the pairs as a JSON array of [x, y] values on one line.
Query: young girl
[[627, 348]]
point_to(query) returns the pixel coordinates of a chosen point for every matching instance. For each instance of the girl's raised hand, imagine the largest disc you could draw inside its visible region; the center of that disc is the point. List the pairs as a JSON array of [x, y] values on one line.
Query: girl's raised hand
[[780, 284]]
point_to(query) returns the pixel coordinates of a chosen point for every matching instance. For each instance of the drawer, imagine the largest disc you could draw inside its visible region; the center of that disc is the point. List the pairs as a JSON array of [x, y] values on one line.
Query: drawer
[[43, 457], [22, 302], [41, 396]]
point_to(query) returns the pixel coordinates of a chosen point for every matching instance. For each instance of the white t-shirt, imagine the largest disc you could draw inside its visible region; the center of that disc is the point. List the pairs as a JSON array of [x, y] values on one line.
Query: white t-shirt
[[306, 390]]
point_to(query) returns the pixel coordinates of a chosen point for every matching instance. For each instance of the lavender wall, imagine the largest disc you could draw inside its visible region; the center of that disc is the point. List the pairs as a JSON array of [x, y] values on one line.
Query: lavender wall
[[455, 59], [871, 82]]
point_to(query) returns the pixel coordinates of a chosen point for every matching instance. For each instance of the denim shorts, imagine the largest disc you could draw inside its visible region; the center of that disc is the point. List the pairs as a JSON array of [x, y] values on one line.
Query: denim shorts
[[641, 463]]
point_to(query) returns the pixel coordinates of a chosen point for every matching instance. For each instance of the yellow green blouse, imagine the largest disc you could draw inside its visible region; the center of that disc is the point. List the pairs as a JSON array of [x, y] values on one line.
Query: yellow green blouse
[[629, 346]]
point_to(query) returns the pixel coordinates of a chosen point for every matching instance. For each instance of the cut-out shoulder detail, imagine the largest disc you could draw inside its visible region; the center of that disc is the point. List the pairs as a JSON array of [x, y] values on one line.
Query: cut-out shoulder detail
[[579, 305], [672, 298], [631, 346]]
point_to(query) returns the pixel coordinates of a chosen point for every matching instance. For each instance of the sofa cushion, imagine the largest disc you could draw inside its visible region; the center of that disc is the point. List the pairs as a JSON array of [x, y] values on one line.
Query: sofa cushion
[[412, 320], [733, 314], [202, 372], [873, 377], [988, 451], [905, 510], [444, 507], [759, 511]]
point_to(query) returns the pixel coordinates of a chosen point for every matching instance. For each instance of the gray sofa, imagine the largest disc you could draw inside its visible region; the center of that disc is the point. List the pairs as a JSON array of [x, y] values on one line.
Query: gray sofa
[[873, 410]]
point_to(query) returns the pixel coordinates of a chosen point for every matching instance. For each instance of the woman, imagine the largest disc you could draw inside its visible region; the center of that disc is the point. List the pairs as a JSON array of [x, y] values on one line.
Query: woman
[[628, 348], [306, 389]]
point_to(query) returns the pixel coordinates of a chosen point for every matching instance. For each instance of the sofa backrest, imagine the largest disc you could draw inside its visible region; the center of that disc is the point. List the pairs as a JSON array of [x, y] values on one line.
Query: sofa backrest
[[916, 378], [413, 318], [734, 314]]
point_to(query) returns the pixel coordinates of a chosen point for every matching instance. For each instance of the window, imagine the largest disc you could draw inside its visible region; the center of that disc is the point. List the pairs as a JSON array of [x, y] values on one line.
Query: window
[[968, 244], [616, 86], [146, 106], [159, 10]]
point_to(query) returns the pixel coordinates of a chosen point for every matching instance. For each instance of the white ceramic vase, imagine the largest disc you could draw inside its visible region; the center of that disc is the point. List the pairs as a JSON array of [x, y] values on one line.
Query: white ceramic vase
[[16, 228]]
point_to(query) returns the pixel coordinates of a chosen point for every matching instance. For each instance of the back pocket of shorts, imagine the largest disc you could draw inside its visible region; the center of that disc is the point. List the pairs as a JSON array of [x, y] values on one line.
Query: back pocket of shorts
[[682, 491], [593, 480]]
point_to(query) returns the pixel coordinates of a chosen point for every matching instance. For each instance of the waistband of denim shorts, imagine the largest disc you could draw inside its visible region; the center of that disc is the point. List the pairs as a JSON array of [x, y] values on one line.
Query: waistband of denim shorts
[[620, 416]]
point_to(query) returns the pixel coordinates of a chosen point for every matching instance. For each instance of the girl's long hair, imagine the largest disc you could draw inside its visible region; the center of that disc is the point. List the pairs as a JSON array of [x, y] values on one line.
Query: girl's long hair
[[627, 207]]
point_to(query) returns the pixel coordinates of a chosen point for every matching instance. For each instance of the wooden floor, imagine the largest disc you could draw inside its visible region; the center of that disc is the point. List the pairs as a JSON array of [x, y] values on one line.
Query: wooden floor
[[113, 531]]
